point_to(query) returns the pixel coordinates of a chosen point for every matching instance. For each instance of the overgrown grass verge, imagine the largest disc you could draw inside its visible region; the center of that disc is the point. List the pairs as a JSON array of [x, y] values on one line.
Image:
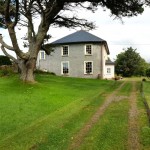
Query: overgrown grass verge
[[46, 115], [143, 119]]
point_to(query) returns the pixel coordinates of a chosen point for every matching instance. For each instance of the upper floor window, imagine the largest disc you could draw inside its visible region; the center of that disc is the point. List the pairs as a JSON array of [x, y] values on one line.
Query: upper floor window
[[88, 67], [88, 49], [108, 70], [42, 54], [65, 50]]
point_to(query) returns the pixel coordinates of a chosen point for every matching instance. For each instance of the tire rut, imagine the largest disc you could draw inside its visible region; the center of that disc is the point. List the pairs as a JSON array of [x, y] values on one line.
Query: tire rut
[[79, 137], [133, 129]]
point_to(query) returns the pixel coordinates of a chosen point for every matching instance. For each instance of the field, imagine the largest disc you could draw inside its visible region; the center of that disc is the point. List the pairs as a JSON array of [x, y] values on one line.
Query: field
[[60, 113]]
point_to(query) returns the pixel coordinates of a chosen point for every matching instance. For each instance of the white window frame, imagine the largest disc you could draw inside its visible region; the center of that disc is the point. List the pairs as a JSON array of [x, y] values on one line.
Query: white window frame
[[62, 50], [42, 58], [109, 70], [85, 67], [62, 67], [85, 50]]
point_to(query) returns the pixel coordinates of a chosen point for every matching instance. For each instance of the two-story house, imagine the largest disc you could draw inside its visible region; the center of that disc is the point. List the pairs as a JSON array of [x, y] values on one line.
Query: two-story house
[[80, 54]]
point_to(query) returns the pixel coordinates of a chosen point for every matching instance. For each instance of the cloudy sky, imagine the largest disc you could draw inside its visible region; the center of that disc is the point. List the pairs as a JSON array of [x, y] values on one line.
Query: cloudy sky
[[133, 32]]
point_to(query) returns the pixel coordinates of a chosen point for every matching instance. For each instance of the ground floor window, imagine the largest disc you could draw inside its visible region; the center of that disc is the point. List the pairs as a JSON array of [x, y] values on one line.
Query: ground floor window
[[108, 70], [42, 54], [88, 67], [65, 67]]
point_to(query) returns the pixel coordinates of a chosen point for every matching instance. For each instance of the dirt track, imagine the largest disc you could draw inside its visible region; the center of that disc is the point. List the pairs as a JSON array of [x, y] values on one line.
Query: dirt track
[[133, 141], [133, 130]]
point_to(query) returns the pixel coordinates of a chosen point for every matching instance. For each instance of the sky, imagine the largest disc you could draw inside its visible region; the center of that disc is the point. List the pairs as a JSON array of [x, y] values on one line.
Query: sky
[[133, 32]]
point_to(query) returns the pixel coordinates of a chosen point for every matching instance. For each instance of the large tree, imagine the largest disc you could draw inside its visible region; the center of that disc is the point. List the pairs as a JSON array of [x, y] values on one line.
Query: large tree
[[129, 63], [50, 13]]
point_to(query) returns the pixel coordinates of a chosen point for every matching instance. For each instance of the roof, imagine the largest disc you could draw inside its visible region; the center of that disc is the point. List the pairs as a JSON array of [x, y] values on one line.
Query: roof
[[109, 62], [80, 37]]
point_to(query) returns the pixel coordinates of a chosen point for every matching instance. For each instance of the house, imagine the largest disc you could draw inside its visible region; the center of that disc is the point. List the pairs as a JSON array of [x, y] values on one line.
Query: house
[[80, 54]]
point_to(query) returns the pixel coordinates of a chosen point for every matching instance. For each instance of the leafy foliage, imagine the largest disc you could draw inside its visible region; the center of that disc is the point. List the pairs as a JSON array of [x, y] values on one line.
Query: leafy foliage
[[4, 60], [129, 63], [148, 73]]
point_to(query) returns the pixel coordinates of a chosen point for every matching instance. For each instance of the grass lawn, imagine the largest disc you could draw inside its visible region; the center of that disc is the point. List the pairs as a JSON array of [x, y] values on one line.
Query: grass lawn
[[143, 119], [46, 115]]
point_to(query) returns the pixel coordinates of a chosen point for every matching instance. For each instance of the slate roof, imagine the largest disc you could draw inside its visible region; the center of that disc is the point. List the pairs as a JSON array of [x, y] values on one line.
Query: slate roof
[[80, 37], [109, 62]]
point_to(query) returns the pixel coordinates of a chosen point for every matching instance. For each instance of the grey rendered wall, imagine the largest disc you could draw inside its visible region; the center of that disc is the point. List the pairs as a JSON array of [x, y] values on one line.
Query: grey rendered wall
[[76, 60]]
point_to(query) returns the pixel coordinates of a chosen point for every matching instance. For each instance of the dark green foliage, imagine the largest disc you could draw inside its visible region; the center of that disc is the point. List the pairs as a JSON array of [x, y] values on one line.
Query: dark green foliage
[[148, 73], [129, 63], [44, 72], [144, 79], [4, 60], [117, 8], [2, 12]]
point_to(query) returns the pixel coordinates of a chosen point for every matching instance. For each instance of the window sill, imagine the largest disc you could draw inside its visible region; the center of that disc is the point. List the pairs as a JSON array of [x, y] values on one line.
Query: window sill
[[65, 75], [88, 73], [88, 54], [65, 55]]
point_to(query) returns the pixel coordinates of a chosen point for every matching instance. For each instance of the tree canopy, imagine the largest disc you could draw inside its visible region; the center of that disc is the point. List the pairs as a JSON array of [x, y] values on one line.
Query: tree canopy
[[14, 13], [129, 63]]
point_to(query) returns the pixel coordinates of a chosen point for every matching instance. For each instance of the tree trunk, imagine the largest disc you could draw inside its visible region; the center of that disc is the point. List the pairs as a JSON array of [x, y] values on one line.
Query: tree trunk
[[27, 68]]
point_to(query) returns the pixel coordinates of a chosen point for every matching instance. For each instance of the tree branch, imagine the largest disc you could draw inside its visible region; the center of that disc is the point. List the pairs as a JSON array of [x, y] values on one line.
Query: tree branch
[[5, 45], [8, 55], [16, 13], [72, 22]]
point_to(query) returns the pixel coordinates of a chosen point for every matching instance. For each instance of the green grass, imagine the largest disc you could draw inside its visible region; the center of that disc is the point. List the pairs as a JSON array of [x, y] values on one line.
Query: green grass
[[143, 119], [146, 89], [126, 89], [134, 78], [46, 115], [111, 130]]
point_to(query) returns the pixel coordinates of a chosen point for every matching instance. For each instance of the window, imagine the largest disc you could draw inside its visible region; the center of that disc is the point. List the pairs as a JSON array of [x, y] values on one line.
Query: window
[[88, 67], [88, 49], [108, 70], [65, 67], [65, 50], [42, 55]]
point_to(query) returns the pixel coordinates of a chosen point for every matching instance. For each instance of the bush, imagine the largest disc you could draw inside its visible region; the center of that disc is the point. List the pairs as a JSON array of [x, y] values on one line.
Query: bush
[[144, 79], [148, 73], [4, 60], [118, 78], [6, 70], [43, 72]]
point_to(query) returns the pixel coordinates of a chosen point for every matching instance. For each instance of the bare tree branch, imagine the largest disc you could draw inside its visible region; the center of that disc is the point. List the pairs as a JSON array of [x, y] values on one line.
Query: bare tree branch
[[5, 45], [8, 55]]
